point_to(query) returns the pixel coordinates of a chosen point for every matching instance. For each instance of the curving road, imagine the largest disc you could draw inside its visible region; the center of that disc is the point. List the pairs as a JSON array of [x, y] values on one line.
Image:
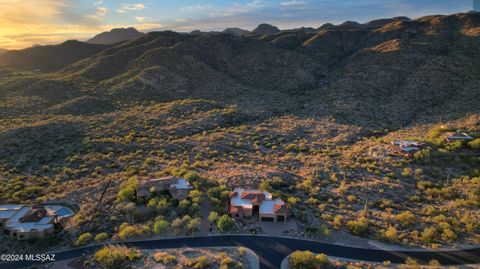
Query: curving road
[[272, 250]]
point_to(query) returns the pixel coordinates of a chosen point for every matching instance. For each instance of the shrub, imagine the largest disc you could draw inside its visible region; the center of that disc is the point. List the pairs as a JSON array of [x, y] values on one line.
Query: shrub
[[116, 256], [406, 218], [391, 234], [428, 235], [358, 227], [194, 225], [213, 216], [225, 223], [164, 258], [84, 239], [474, 144], [101, 237], [160, 226], [307, 260]]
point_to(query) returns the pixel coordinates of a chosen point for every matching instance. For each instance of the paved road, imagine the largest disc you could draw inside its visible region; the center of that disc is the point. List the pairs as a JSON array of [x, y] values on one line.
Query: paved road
[[272, 250]]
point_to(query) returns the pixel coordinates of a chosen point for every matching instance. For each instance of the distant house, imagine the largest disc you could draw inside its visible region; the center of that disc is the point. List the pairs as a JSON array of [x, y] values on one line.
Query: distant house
[[404, 147], [27, 222], [178, 187], [452, 137], [249, 203]]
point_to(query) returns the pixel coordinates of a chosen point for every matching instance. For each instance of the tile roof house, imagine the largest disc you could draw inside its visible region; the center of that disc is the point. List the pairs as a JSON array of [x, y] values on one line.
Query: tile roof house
[[178, 187], [27, 222], [248, 203]]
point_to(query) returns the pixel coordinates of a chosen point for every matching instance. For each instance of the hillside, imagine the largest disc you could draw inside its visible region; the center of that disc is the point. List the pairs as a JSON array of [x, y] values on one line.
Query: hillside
[[49, 58], [298, 111], [115, 36], [3, 51]]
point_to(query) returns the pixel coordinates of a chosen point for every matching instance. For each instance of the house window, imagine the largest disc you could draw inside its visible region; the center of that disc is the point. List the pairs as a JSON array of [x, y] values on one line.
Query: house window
[[236, 215]]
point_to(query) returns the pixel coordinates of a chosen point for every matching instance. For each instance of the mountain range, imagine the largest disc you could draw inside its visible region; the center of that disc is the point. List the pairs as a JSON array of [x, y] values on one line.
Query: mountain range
[[387, 73]]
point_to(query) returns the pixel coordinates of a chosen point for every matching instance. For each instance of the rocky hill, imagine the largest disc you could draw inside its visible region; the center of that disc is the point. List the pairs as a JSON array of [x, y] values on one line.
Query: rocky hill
[[265, 29], [49, 58], [115, 36]]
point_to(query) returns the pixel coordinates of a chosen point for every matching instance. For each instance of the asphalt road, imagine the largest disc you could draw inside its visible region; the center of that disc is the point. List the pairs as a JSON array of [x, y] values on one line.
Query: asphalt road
[[272, 250]]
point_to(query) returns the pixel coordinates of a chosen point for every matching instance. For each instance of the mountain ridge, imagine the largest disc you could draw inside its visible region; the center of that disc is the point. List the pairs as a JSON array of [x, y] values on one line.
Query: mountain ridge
[[115, 35]]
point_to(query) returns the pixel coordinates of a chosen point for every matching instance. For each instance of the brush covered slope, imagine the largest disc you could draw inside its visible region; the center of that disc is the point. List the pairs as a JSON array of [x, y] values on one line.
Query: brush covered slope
[[298, 109]]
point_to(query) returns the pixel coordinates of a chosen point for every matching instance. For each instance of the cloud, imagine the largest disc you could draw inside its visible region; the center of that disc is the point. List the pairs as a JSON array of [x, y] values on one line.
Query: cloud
[[293, 3], [131, 7], [140, 19], [102, 11]]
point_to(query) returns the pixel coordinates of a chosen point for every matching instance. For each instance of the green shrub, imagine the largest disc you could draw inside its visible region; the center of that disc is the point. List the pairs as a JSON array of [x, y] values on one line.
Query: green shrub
[[84, 239], [474, 144], [225, 223], [101, 237], [358, 227], [307, 260], [160, 226]]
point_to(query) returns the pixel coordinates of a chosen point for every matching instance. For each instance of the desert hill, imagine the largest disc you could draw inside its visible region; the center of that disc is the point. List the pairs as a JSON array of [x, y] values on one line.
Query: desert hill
[[114, 36], [49, 58]]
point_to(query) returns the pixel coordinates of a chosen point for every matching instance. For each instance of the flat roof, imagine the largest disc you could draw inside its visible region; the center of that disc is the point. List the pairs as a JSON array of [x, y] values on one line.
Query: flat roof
[[10, 207], [15, 224], [268, 206], [237, 201], [182, 184]]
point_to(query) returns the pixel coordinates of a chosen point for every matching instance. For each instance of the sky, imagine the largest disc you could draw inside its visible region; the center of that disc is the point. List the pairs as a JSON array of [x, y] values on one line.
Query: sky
[[24, 23]]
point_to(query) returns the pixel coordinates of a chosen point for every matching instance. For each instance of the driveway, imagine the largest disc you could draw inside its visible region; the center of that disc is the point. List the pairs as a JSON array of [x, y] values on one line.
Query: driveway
[[272, 250]]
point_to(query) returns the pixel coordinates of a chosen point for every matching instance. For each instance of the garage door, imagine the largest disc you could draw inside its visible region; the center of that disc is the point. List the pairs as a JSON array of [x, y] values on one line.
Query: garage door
[[267, 219]]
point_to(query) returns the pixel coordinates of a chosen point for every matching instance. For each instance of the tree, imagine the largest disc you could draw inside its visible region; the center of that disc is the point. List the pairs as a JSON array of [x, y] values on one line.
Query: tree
[[225, 223], [160, 226]]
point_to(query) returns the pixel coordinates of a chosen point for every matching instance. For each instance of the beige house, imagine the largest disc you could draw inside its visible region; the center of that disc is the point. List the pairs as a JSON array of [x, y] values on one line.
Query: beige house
[[28, 222], [246, 204], [178, 187]]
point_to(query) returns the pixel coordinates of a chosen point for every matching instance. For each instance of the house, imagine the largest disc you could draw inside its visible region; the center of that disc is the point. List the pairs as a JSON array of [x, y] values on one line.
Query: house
[[404, 147], [6, 212], [178, 187], [452, 137], [246, 204], [27, 222]]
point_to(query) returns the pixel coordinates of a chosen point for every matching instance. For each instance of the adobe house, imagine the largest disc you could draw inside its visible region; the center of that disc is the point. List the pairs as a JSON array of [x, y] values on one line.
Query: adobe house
[[245, 204], [37, 221], [177, 187]]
